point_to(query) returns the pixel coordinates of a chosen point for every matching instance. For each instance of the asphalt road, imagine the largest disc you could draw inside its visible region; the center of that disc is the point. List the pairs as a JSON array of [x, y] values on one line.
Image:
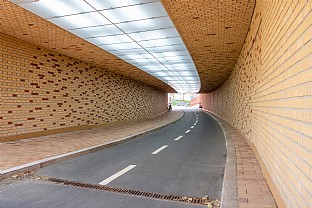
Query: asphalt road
[[186, 158], [33, 194]]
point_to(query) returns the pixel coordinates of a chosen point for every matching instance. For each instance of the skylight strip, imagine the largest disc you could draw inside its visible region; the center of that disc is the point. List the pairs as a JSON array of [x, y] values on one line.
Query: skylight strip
[[78, 28], [138, 44], [123, 1], [158, 38], [156, 48], [150, 18], [120, 31], [166, 45], [142, 31]]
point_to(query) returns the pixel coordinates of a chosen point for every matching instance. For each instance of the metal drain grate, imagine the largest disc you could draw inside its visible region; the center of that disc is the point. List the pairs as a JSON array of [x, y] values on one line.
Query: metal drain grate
[[191, 200]]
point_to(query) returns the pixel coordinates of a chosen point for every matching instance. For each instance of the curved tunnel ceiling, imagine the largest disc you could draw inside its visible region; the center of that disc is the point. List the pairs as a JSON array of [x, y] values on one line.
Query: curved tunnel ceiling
[[213, 32]]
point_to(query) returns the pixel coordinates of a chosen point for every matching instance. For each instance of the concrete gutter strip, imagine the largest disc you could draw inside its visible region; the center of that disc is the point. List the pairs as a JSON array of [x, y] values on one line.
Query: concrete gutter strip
[[66, 156], [229, 197]]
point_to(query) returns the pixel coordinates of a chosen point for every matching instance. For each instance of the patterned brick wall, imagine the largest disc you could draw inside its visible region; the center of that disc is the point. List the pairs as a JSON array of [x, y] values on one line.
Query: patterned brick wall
[[194, 101], [42, 91], [268, 97]]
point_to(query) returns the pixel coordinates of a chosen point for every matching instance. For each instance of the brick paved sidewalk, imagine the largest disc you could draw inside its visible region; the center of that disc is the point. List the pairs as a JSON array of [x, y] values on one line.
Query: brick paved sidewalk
[[252, 188], [20, 152]]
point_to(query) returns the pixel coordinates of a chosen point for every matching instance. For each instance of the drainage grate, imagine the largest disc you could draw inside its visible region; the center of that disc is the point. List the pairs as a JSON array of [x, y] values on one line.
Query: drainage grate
[[192, 200]]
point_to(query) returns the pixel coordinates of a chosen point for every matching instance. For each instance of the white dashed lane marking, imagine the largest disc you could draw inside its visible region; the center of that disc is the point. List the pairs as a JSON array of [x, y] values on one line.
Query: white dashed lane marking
[[130, 167], [159, 149], [178, 138], [116, 175]]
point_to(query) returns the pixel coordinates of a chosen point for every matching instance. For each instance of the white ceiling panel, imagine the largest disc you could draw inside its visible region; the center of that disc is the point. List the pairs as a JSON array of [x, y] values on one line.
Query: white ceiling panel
[[122, 53], [175, 59], [137, 12], [135, 56], [146, 25], [47, 9], [155, 34], [104, 30], [161, 42], [175, 82], [171, 54], [120, 46], [170, 59], [182, 64], [110, 40], [80, 20], [144, 61], [151, 67], [161, 73], [170, 78], [184, 73], [192, 81], [109, 4], [166, 48]]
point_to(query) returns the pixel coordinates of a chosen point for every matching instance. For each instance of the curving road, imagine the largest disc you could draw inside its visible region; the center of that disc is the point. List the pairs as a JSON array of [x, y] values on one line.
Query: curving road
[[186, 158]]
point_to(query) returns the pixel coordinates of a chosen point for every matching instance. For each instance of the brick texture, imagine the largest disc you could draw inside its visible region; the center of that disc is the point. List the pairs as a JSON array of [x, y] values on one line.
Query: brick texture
[[44, 91], [24, 25], [268, 97], [214, 32]]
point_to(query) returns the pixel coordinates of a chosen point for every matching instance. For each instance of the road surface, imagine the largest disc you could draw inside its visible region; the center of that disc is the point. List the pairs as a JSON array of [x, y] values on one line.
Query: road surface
[[186, 158]]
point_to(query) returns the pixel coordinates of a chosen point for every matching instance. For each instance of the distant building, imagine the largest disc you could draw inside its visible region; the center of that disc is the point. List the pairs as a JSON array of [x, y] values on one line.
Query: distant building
[[181, 96]]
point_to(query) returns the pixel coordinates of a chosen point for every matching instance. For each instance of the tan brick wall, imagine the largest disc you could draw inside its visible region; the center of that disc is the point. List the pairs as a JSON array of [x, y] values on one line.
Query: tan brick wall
[[194, 101], [268, 97], [42, 91]]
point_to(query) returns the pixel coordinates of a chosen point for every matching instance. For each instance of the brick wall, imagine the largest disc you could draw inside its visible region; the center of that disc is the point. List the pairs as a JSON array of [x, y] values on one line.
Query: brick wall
[[268, 97], [43, 92], [194, 101]]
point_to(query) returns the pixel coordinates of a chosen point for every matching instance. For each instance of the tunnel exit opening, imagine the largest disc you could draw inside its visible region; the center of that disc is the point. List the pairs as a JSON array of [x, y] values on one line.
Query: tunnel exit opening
[[182, 100]]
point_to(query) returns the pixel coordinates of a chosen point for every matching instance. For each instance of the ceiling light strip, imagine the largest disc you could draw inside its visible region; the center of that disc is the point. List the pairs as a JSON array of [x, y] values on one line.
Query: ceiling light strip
[[185, 85], [139, 32]]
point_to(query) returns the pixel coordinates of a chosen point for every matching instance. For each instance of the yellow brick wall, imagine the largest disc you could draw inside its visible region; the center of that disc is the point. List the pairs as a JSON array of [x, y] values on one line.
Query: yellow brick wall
[[268, 97], [42, 91]]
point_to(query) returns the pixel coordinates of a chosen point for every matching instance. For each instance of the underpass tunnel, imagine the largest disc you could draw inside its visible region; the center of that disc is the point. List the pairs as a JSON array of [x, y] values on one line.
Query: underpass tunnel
[[250, 63]]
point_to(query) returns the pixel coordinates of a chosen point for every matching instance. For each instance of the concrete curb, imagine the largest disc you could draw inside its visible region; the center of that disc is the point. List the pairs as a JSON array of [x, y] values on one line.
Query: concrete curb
[[229, 196], [66, 156]]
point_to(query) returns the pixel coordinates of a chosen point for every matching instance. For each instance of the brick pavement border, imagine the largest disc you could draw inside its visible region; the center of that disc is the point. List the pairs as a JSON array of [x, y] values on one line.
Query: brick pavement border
[[252, 188]]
